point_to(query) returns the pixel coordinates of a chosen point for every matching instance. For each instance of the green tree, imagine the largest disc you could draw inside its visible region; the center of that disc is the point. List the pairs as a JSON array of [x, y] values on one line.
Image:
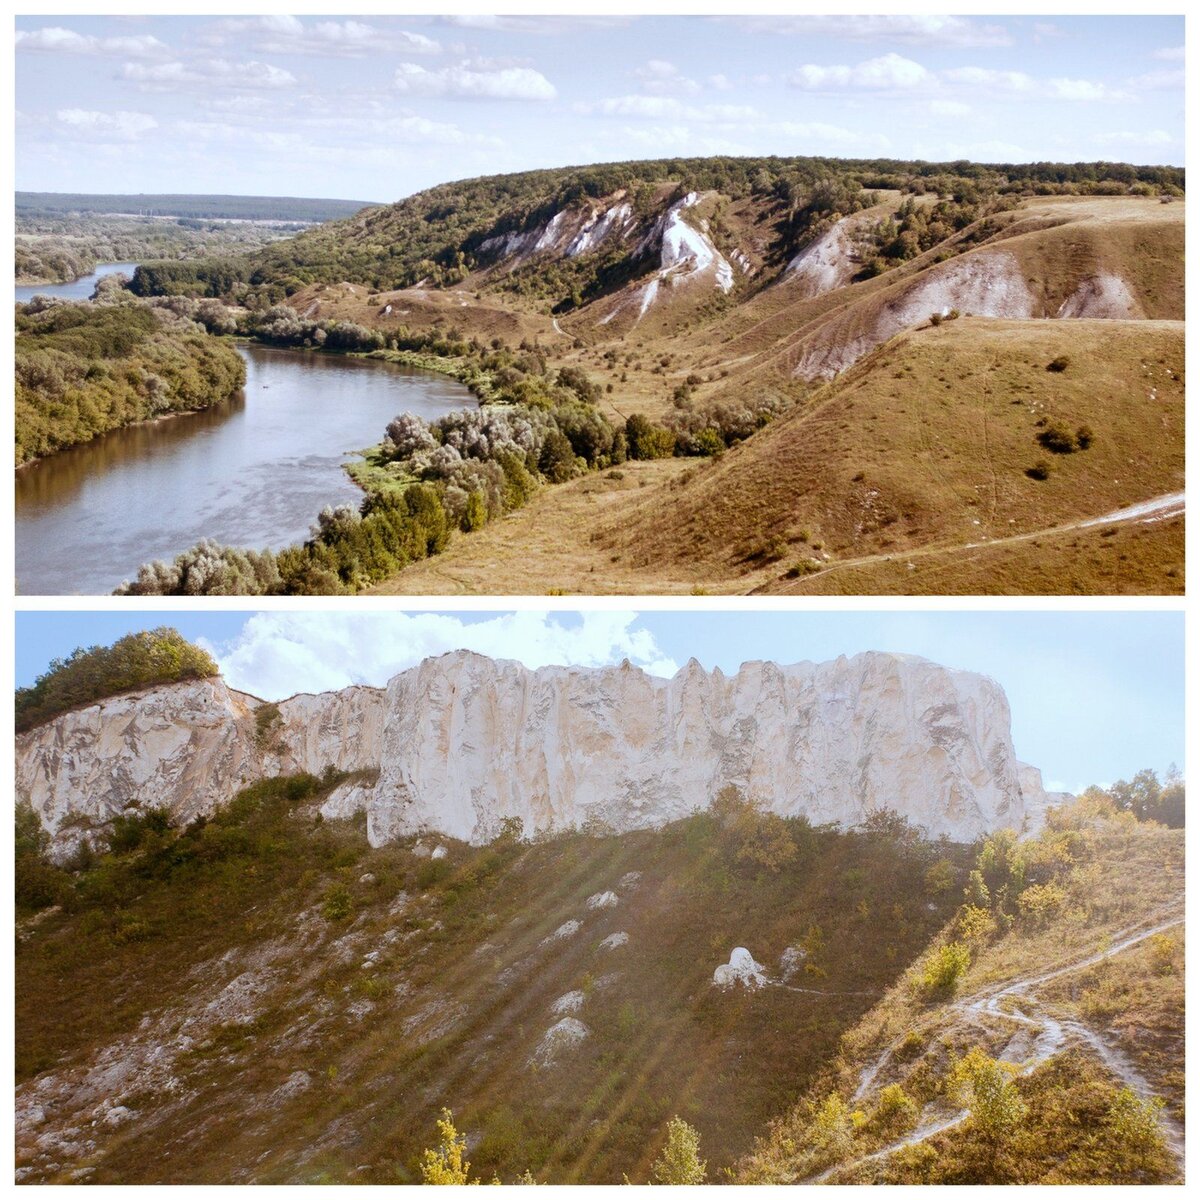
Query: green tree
[[1136, 1122], [680, 1161], [986, 1087]]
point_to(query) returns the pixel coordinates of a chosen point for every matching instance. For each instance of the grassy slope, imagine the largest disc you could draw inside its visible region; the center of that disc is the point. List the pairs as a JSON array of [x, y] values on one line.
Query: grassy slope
[[455, 1004], [928, 442], [947, 455], [1125, 875]]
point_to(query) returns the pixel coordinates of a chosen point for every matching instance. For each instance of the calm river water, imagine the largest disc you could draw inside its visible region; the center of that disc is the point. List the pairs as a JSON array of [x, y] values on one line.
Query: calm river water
[[252, 472]]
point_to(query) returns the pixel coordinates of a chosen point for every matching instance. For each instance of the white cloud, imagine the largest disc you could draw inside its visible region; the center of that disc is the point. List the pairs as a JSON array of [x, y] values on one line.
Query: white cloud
[[889, 72], [1170, 53], [1156, 81], [532, 24], [662, 78], [278, 654], [335, 39], [180, 76], [1019, 83], [660, 108], [950, 108], [53, 39], [104, 126], [471, 81], [1124, 137], [927, 30], [720, 83]]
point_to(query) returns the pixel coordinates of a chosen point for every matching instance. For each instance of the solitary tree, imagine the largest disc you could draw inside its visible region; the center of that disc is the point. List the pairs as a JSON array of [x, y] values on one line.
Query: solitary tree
[[680, 1162]]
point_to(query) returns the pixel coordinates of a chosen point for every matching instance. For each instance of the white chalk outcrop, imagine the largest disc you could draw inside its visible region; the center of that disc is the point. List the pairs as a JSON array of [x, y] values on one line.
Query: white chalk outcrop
[[686, 255], [825, 264], [1102, 297], [986, 283], [462, 742], [740, 971]]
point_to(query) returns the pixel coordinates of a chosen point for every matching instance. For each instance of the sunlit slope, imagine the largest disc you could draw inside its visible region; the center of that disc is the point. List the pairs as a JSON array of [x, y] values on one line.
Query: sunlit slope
[[932, 440], [270, 1000], [1075, 983]]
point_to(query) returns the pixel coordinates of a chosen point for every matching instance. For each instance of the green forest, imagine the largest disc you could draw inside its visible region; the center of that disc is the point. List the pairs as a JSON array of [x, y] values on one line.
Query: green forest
[[85, 369], [230, 208]]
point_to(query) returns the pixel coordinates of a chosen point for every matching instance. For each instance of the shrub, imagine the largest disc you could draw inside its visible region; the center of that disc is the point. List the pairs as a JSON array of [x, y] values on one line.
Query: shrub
[[680, 1162], [338, 904], [986, 1087], [646, 440], [895, 1107], [1039, 471], [1136, 1122], [945, 967], [1059, 364]]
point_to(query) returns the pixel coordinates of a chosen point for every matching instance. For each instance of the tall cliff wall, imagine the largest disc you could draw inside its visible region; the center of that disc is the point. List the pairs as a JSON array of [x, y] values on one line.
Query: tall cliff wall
[[462, 742]]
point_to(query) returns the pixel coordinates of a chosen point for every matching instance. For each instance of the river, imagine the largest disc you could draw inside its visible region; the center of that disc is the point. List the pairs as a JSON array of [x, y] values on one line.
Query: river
[[78, 289], [253, 471]]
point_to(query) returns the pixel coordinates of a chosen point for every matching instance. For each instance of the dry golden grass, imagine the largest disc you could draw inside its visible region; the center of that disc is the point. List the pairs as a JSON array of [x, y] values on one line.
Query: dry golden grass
[[928, 442], [1128, 558]]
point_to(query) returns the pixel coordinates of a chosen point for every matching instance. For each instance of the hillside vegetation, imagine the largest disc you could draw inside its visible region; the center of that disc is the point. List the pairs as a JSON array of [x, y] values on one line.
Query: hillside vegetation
[[85, 369], [269, 961], [559, 997], [875, 359], [1039, 1039]]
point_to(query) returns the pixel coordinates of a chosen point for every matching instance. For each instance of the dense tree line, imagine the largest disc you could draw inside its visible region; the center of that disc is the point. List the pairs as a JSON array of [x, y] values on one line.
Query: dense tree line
[[85, 369], [53, 248], [229, 208], [135, 661]]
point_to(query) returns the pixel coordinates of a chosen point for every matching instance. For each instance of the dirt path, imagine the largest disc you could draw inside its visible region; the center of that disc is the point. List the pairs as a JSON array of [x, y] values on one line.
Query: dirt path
[[1014, 1003], [1158, 509]]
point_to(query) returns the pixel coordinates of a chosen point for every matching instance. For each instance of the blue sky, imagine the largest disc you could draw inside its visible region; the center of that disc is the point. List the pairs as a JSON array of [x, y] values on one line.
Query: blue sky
[[1095, 696], [376, 107]]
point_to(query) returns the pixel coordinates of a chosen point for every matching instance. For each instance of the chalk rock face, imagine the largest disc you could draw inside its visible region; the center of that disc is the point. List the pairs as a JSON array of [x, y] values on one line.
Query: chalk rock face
[[469, 741], [462, 743], [189, 746], [341, 729]]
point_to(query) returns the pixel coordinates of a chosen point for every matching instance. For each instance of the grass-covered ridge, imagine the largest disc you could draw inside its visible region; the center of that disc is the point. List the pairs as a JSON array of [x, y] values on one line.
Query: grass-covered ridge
[[1039, 1039], [137, 660], [437, 233], [83, 370]]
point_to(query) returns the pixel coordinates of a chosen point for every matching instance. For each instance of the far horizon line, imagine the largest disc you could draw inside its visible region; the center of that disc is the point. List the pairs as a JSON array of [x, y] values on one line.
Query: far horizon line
[[580, 166]]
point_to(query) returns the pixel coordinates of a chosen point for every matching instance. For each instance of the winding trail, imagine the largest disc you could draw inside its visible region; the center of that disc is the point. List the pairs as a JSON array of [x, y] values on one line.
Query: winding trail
[[1171, 504], [1013, 1002]]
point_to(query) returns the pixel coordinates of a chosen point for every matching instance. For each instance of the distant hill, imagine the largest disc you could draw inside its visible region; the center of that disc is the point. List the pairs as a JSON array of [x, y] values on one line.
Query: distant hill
[[150, 204]]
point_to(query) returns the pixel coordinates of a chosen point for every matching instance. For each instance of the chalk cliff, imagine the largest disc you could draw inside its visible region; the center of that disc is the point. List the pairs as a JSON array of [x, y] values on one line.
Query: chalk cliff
[[462, 742]]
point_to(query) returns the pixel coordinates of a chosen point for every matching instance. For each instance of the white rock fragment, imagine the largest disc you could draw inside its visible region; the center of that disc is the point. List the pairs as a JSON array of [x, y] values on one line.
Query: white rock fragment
[[439, 852], [615, 940], [603, 900], [741, 969], [629, 880], [570, 1002], [790, 960], [565, 930], [563, 1036]]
